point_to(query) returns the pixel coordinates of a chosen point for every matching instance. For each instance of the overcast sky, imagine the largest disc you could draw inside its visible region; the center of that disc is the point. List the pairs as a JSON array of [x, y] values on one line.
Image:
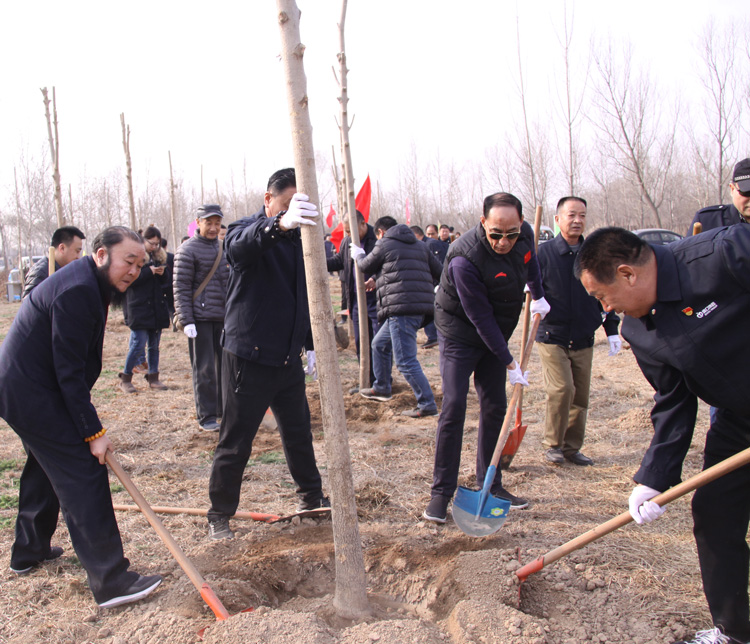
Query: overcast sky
[[204, 80]]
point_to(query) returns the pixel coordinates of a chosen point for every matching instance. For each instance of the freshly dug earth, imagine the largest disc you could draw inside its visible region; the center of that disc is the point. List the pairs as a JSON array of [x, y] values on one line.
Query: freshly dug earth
[[427, 584]]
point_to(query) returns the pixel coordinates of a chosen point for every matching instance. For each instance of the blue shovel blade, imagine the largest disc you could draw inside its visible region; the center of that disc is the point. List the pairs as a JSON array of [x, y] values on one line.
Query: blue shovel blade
[[479, 519]]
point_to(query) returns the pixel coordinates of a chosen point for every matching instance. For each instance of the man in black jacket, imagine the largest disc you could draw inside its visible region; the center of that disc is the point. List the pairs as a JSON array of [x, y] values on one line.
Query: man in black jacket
[[342, 261], [684, 304], [439, 249], [267, 324], [738, 212], [49, 361], [68, 243], [566, 337], [405, 272]]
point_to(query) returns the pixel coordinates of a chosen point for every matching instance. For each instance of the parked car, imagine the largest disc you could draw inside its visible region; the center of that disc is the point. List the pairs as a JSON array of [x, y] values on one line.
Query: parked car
[[546, 234], [657, 236]]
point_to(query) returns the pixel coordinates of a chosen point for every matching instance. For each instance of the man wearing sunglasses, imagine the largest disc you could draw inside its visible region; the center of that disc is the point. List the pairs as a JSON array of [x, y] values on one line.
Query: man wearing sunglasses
[[477, 307], [737, 212]]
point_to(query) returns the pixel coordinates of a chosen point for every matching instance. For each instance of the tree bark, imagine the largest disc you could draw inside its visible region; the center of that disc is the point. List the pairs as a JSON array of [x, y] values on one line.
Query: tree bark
[[364, 335], [54, 146], [128, 169], [350, 598]]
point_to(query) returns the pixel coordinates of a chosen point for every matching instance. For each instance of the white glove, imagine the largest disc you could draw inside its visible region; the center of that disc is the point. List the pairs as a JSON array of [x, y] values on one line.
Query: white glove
[[518, 377], [300, 213], [311, 369], [642, 509], [540, 306], [356, 251], [615, 344], [190, 331]]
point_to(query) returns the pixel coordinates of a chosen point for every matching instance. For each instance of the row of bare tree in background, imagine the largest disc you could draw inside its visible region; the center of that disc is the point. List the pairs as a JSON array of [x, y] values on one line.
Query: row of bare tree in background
[[641, 156]]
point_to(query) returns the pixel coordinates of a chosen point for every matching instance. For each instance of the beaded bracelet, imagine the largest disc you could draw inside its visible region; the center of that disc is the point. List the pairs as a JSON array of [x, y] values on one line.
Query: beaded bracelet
[[98, 434]]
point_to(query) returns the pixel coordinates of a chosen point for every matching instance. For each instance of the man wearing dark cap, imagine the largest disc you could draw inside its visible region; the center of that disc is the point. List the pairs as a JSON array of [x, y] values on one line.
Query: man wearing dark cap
[[201, 275], [683, 304], [737, 212]]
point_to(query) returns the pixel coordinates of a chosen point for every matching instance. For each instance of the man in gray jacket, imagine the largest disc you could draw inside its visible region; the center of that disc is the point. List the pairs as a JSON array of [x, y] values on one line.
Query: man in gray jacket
[[200, 310]]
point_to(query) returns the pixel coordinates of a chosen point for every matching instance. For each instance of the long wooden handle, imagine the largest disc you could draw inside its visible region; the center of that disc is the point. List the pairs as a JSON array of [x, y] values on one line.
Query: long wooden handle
[[697, 228], [199, 512], [517, 389], [190, 570], [693, 483]]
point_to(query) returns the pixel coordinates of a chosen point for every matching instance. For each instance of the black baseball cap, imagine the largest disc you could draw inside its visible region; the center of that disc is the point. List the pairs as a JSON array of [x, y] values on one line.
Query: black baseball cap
[[741, 175], [209, 210]]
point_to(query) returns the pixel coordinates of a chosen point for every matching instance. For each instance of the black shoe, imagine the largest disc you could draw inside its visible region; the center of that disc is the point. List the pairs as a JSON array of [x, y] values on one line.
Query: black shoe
[[437, 509], [578, 458], [140, 588], [373, 394], [354, 390], [55, 552], [419, 413], [219, 529], [554, 455], [516, 502], [212, 425], [320, 503], [429, 344]]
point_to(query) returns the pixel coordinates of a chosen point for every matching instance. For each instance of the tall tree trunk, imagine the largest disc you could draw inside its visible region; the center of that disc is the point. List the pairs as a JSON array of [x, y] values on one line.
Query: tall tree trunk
[[128, 168], [70, 202], [172, 207], [19, 219], [54, 146], [364, 335], [350, 597]]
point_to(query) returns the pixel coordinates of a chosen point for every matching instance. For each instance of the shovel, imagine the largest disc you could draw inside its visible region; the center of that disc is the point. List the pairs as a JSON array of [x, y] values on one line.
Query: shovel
[[693, 483], [207, 593], [200, 512], [479, 514]]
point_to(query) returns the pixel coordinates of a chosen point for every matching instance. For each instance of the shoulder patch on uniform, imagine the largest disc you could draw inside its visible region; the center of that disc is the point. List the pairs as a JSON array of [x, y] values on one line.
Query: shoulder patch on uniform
[[527, 257], [688, 311]]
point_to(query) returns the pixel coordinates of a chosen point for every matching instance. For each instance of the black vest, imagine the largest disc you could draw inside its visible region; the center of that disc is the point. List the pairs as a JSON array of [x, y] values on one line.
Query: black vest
[[504, 276]]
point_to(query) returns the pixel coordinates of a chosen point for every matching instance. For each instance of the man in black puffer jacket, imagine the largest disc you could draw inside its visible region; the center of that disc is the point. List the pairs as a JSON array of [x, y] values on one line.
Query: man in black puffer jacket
[[405, 272]]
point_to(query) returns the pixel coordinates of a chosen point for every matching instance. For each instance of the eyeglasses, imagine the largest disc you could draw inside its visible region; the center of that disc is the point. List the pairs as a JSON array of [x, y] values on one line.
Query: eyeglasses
[[499, 236]]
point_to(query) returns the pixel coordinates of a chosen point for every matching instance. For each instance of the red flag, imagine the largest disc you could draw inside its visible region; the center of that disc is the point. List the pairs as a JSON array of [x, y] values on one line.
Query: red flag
[[362, 202], [408, 213], [329, 218], [337, 234]]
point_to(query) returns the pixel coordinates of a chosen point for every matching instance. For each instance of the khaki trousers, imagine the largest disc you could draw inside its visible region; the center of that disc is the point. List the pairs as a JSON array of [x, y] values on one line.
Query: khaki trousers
[[567, 381]]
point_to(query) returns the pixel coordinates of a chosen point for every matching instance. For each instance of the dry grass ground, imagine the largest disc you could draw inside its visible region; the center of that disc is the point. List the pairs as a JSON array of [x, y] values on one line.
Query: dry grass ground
[[427, 583]]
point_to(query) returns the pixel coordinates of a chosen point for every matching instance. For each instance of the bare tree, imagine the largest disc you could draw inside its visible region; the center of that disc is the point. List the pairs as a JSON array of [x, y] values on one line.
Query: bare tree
[[350, 597], [128, 169], [629, 123], [54, 146], [172, 205]]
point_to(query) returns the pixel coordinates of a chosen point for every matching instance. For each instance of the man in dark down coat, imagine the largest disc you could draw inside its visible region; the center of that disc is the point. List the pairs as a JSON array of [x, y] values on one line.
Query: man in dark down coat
[[49, 361], [68, 243], [405, 272], [203, 317], [266, 327]]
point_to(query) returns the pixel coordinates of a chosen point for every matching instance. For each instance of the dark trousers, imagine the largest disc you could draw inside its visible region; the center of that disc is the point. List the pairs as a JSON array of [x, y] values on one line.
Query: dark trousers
[[205, 359], [250, 389], [66, 476], [457, 362], [372, 329], [721, 513]]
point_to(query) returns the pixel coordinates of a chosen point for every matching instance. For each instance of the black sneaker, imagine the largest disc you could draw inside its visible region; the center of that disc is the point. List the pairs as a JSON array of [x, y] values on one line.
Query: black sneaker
[[211, 425], [140, 588], [554, 455], [320, 503], [419, 413], [578, 458], [711, 636], [516, 502], [429, 344], [55, 552], [437, 509], [219, 529], [373, 394]]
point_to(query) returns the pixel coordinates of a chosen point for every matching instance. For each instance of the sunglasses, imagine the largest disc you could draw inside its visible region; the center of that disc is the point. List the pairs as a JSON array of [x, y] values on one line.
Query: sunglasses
[[499, 236]]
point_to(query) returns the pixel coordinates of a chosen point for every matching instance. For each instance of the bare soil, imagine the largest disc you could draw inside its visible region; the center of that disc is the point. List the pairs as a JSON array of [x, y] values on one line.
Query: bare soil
[[427, 584]]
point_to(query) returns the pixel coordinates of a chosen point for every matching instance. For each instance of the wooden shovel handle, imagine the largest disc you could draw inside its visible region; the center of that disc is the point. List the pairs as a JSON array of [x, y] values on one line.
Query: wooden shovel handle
[[517, 389], [697, 228], [199, 512], [190, 570], [693, 483]]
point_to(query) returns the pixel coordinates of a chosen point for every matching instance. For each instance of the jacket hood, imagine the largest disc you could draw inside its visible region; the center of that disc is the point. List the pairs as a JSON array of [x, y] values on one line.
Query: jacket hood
[[402, 233]]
